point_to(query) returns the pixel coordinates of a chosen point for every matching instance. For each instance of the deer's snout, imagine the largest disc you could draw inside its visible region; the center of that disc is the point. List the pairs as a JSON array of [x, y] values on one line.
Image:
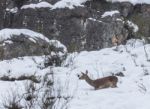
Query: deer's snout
[[79, 76]]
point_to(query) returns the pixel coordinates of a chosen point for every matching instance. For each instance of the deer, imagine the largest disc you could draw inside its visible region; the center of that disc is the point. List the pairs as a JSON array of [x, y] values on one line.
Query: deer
[[115, 40], [101, 83]]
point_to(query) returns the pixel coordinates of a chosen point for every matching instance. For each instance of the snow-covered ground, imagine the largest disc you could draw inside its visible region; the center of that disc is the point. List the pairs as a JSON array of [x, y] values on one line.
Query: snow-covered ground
[[133, 90]]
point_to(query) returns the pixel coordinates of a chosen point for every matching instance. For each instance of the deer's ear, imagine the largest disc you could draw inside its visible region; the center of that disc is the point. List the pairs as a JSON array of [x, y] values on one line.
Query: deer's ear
[[82, 73], [86, 72]]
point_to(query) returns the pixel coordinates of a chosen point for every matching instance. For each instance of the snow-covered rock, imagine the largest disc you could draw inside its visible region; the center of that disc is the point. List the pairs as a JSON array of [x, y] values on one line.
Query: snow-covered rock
[[23, 42], [38, 5]]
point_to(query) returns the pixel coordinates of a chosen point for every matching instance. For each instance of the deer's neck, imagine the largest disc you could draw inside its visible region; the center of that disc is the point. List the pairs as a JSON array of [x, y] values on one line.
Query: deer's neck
[[89, 81]]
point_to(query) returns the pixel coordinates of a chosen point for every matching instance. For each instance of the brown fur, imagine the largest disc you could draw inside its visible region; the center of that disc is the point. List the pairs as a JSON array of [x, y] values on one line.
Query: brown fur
[[110, 81], [116, 40]]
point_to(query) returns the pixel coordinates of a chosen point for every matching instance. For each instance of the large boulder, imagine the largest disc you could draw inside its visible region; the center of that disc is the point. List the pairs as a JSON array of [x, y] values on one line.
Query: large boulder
[[22, 42]]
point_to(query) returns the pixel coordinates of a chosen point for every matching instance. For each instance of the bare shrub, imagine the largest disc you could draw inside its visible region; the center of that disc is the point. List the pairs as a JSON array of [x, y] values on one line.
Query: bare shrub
[[142, 88], [133, 56], [39, 95], [32, 78], [47, 98], [31, 95], [12, 101]]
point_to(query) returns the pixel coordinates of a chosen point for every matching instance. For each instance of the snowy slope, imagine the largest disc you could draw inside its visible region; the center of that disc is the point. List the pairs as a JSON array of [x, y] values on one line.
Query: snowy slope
[[133, 89]]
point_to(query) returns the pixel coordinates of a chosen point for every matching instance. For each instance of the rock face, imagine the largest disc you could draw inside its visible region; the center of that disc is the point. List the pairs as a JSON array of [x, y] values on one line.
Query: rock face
[[82, 28]]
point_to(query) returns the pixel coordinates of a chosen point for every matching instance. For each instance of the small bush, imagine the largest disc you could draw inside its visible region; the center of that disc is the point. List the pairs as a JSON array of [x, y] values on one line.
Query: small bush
[[12, 103]]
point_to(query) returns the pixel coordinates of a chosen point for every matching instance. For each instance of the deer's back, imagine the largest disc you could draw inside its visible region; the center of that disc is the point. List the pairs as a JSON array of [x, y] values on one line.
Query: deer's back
[[105, 82]]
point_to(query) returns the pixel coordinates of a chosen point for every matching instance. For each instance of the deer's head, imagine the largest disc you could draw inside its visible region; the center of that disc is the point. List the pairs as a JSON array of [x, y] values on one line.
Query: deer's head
[[83, 76]]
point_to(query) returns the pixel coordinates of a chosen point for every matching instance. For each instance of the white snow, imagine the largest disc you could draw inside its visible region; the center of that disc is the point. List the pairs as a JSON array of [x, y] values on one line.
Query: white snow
[[133, 89], [38, 5], [132, 1], [21, 66], [132, 25], [57, 44], [110, 13], [13, 10], [68, 4], [7, 34], [95, 20], [60, 4]]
